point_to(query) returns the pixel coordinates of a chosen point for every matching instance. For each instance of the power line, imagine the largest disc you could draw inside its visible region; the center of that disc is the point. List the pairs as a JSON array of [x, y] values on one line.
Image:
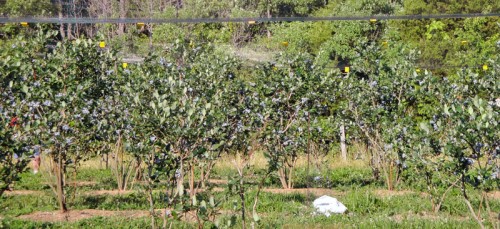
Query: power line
[[89, 20]]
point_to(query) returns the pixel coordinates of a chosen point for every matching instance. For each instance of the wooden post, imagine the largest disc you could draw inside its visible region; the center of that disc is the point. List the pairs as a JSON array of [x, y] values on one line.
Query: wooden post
[[343, 147]]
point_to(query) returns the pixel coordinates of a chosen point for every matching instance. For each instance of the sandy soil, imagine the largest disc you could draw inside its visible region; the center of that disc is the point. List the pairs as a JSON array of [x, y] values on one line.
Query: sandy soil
[[23, 192], [107, 192], [217, 181], [389, 193], [75, 215], [77, 183], [494, 195], [314, 191]]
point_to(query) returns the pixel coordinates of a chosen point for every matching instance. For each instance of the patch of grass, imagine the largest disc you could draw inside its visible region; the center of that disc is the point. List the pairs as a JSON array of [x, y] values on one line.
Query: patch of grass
[[95, 222], [30, 181], [369, 206], [133, 201], [342, 178], [16, 205], [97, 175], [337, 221]]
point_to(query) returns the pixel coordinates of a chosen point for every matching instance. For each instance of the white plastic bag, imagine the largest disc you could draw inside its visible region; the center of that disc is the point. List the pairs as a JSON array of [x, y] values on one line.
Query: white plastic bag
[[327, 205]]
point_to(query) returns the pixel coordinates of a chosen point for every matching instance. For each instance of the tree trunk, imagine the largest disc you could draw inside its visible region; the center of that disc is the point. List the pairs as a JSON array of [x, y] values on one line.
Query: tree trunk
[[268, 16], [151, 205], [61, 26], [343, 147], [150, 191], [191, 182], [107, 161], [242, 197], [290, 178], [123, 14], [282, 176], [177, 6], [60, 185], [180, 180], [374, 163], [469, 205], [202, 177], [69, 33], [150, 36]]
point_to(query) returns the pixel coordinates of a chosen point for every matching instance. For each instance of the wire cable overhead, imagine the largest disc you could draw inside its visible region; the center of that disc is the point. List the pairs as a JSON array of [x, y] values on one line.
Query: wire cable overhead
[[89, 20]]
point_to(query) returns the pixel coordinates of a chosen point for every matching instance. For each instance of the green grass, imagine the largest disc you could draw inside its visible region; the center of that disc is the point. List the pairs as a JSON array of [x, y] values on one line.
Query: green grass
[[343, 178], [16, 205], [30, 181], [96, 222], [355, 185]]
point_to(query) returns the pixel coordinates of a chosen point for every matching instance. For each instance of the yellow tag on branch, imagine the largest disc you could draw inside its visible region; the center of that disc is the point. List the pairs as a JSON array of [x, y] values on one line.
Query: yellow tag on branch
[[102, 44], [24, 24], [125, 65], [485, 67], [347, 69]]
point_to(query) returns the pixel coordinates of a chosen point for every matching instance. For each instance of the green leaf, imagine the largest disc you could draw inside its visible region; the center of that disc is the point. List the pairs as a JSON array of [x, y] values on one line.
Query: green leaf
[[476, 101], [216, 146], [212, 201], [424, 127], [471, 111], [25, 89], [194, 201], [256, 217]]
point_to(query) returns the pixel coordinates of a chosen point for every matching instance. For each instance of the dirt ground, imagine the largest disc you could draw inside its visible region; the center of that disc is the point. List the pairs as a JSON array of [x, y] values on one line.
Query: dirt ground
[[389, 193], [75, 215], [23, 192], [217, 181], [107, 192], [494, 195], [305, 191], [313, 191], [77, 183]]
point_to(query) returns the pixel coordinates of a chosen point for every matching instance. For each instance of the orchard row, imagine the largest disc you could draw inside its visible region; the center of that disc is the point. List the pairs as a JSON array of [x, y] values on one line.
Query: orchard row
[[184, 107]]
